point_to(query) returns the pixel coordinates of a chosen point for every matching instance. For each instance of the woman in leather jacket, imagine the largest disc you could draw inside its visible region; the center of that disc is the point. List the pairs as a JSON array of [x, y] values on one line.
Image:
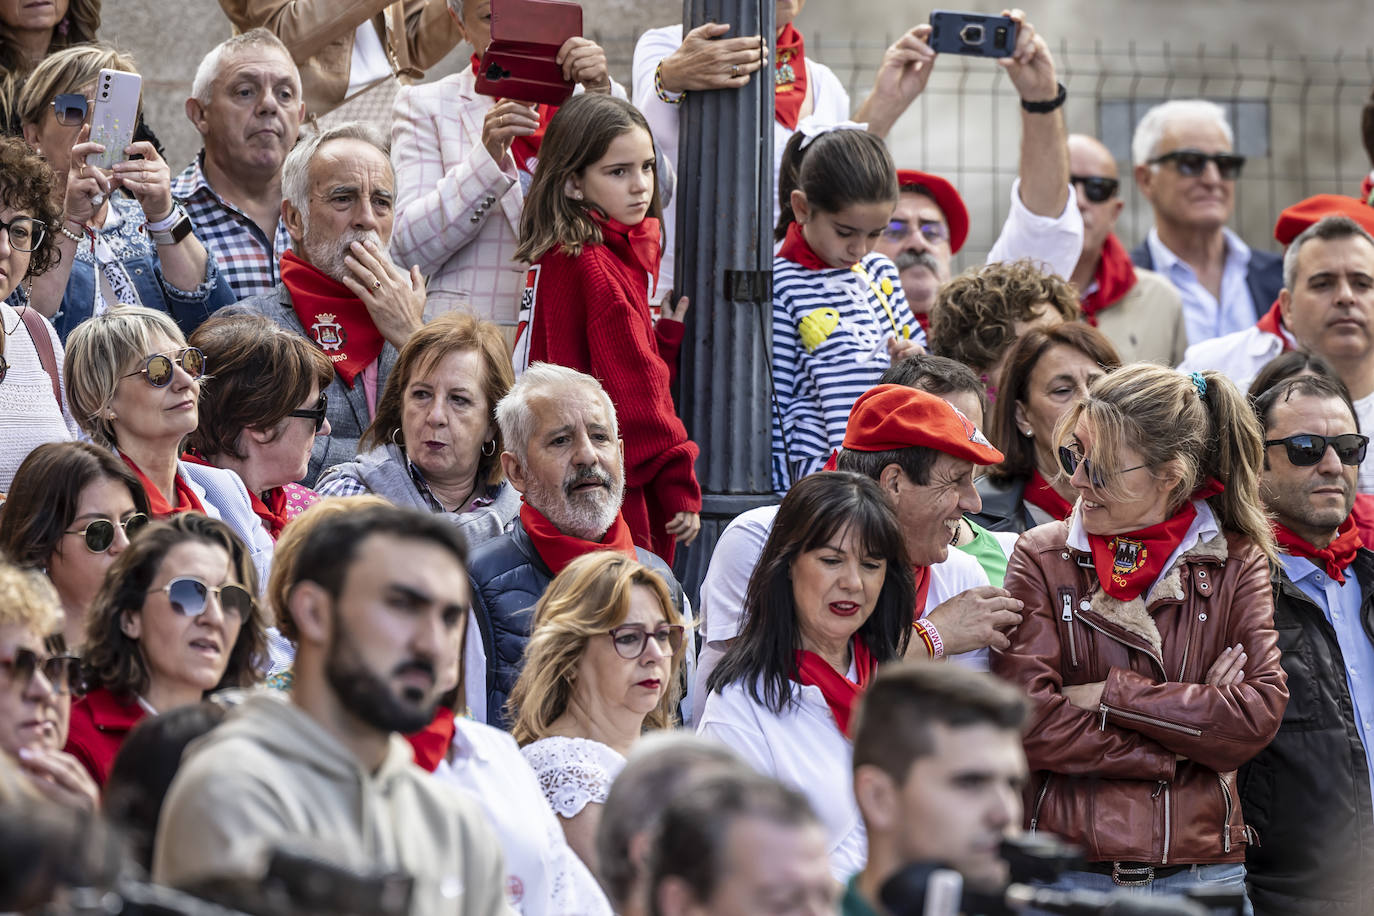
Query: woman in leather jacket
[[1147, 645]]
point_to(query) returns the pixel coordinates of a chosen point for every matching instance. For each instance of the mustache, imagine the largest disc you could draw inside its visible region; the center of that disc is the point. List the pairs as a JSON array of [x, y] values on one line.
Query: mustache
[[587, 475], [910, 257], [417, 665]]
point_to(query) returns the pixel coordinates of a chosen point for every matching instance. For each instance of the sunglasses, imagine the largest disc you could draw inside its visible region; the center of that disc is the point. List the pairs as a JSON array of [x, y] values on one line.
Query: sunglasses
[[1307, 449], [71, 109], [931, 231], [1191, 163], [4, 368], [632, 639], [315, 413], [100, 533], [158, 367], [1069, 460], [189, 596], [25, 232], [1096, 189], [62, 671]]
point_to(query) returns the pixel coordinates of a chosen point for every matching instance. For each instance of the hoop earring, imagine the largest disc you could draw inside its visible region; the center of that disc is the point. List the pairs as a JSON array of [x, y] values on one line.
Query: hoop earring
[[394, 433], [489, 447]]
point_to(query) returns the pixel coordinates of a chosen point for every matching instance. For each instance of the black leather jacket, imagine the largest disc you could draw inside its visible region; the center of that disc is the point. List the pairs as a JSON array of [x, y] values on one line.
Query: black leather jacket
[[1004, 505]]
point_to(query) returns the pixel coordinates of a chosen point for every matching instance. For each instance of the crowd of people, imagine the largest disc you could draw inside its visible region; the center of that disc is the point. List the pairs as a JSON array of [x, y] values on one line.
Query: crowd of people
[[344, 484]]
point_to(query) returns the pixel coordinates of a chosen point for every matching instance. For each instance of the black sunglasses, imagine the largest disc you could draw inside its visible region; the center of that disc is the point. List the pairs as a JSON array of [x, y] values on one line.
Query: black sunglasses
[[100, 534], [1096, 189], [1069, 460], [631, 639], [1307, 449], [189, 596], [1191, 163], [315, 413], [71, 108], [62, 671], [158, 367]]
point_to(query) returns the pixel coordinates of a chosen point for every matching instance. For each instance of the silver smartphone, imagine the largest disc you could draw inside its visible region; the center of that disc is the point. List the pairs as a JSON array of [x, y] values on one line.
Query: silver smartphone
[[114, 115]]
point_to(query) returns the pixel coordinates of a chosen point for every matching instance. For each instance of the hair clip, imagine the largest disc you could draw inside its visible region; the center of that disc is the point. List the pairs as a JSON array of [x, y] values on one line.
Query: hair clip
[[811, 128], [1200, 384]]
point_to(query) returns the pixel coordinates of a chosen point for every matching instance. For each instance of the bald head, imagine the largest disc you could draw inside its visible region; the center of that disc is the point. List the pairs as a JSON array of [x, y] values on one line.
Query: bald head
[[1089, 158]]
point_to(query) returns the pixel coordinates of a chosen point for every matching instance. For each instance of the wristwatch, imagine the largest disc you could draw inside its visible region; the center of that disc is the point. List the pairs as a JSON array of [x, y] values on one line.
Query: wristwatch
[[172, 229]]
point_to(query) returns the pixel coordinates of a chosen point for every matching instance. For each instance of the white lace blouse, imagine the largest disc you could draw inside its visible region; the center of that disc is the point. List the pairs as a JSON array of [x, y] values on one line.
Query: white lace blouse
[[573, 772]]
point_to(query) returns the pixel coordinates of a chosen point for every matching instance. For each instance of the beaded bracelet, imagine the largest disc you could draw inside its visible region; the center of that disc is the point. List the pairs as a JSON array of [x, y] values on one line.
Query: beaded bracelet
[[62, 228], [663, 93]]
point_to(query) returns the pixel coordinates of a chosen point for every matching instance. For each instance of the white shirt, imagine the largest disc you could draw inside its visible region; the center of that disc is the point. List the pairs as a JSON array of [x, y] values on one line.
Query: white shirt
[[804, 748], [1053, 243], [1207, 316], [544, 876], [369, 62]]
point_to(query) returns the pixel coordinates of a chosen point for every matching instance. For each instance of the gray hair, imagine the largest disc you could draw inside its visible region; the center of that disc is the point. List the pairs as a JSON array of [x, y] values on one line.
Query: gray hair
[[516, 417], [1151, 128], [203, 86], [1327, 229], [457, 7], [295, 172]]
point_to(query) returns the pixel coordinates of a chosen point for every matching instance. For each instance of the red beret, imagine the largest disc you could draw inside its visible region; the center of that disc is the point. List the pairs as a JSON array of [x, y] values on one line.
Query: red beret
[[889, 417], [1306, 213], [946, 198]]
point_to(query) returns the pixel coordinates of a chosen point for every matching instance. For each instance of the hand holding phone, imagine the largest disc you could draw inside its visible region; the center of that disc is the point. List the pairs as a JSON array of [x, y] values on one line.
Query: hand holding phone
[[523, 60], [973, 34], [114, 115]]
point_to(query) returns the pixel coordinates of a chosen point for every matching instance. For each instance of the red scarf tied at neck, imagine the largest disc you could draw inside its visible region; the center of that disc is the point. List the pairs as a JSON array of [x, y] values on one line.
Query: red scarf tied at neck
[[1127, 564], [432, 742], [789, 77], [272, 512], [334, 318], [798, 250], [525, 150], [1272, 323], [641, 245], [158, 507], [839, 691], [1115, 278], [1040, 494], [557, 549], [1335, 559]]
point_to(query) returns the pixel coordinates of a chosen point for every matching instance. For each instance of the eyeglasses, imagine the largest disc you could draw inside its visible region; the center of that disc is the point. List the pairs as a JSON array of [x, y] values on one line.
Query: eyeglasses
[[1307, 449], [158, 367], [71, 109], [100, 534], [1191, 163], [1096, 189], [25, 232], [62, 671], [315, 413], [932, 231], [1069, 460], [631, 639], [189, 596]]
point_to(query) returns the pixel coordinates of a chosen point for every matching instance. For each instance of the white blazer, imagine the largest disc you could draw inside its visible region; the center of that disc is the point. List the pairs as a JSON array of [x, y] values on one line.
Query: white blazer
[[226, 498]]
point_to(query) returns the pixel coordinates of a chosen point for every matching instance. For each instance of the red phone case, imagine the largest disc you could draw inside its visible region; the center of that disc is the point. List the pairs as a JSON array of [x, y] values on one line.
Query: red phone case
[[525, 37]]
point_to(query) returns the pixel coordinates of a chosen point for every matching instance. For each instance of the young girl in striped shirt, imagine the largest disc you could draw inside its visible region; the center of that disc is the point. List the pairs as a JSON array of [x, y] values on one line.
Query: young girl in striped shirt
[[839, 315]]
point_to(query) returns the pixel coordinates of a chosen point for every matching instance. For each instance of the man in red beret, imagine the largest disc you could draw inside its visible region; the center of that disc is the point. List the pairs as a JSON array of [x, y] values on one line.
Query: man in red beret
[[931, 223]]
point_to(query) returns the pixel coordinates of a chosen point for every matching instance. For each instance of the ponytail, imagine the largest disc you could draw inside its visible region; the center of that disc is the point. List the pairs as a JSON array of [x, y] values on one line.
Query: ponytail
[[835, 169], [1235, 455]]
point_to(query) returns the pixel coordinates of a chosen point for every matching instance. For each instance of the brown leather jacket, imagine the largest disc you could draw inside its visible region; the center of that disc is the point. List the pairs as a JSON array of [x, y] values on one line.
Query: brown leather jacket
[[320, 35], [1110, 781]]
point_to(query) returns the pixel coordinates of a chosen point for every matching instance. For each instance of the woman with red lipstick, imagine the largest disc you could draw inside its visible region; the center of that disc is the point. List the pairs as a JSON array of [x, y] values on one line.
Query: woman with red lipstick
[[602, 665], [829, 601], [434, 444], [175, 620], [30, 30], [1147, 644]]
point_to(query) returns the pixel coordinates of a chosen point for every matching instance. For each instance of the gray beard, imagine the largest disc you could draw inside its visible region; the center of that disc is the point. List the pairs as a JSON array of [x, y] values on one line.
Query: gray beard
[[587, 515], [328, 255]]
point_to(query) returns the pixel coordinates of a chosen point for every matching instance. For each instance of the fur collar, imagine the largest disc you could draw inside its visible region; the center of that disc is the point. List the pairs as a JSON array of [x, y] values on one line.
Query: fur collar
[[1134, 615]]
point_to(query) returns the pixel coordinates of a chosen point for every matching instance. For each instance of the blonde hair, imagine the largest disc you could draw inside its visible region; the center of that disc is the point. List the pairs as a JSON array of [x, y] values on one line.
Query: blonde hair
[[585, 600], [101, 351], [27, 600], [289, 545], [67, 71], [1167, 417]]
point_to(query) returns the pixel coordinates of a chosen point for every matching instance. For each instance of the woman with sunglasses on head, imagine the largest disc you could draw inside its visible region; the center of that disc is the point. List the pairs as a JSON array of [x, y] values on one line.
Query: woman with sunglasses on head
[[1148, 645], [603, 664], [72, 512], [134, 386], [260, 412], [174, 621], [123, 239], [434, 444]]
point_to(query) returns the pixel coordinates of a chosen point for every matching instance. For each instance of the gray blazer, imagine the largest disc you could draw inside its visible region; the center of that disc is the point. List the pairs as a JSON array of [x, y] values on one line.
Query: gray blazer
[[347, 413]]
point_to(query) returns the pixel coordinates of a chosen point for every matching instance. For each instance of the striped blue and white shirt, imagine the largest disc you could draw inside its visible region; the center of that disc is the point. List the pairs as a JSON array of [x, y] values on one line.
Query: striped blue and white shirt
[[830, 333]]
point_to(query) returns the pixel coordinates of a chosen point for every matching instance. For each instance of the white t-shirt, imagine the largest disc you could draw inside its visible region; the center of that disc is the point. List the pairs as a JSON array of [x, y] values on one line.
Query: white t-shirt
[[369, 62]]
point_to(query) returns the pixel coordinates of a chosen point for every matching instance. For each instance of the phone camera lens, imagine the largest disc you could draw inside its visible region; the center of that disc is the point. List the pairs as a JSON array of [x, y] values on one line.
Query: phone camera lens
[[971, 34]]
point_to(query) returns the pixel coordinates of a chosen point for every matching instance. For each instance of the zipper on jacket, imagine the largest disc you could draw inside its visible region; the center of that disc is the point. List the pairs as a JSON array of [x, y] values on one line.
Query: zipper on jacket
[[1226, 824], [1035, 815], [1165, 860], [1154, 658], [1066, 615], [1137, 717], [1188, 644]]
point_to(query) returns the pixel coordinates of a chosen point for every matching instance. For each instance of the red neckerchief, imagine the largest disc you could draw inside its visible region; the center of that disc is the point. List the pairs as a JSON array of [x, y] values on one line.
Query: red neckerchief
[[432, 742], [1129, 563], [789, 77], [798, 250], [1115, 277], [640, 245], [336, 319], [557, 549], [1367, 189], [524, 149], [158, 507], [272, 511], [1040, 494], [922, 590], [1334, 558], [1272, 323], [839, 691]]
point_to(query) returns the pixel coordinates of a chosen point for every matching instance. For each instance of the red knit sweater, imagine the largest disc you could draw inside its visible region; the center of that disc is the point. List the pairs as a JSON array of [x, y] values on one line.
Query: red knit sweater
[[592, 314]]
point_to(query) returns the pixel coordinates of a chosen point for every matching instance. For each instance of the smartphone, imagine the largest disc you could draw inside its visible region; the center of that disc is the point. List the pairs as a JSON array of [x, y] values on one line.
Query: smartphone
[[114, 115], [520, 63], [972, 33]]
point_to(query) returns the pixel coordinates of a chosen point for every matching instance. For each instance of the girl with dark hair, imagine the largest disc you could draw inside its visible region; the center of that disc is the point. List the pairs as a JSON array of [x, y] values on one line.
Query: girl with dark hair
[[829, 601], [30, 32], [73, 509], [590, 230], [840, 317]]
